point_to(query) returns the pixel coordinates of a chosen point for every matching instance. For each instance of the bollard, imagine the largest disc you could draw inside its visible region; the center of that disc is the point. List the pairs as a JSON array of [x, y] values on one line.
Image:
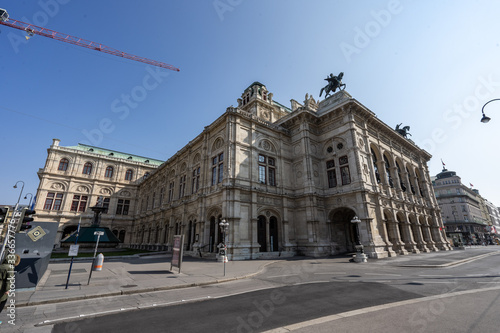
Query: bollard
[[98, 262]]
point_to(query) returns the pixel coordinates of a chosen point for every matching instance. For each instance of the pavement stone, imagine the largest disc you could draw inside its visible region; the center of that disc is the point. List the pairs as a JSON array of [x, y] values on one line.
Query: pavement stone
[[129, 275]]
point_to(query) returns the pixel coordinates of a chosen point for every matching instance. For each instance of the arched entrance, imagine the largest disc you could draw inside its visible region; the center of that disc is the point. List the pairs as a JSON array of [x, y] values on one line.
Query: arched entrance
[[189, 242], [215, 233], [342, 232], [268, 233], [273, 234]]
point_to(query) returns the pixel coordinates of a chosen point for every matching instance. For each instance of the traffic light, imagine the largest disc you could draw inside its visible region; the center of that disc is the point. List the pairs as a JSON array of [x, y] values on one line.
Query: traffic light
[[25, 219], [4, 214]]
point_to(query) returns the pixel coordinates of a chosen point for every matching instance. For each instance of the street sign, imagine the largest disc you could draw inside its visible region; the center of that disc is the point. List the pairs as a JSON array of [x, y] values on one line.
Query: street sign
[[36, 233], [177, 252], [98, 233], [73, 250]]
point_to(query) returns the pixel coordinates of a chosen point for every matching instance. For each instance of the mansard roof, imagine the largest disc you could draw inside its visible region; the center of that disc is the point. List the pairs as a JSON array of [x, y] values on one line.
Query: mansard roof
[[115, 154]]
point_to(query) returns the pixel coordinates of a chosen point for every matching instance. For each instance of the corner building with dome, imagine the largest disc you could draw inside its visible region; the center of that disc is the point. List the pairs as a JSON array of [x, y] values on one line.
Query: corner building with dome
[[288, 181]]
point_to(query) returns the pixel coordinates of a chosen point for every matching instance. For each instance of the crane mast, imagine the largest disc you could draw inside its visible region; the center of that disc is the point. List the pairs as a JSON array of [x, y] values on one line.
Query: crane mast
[[31, 30]]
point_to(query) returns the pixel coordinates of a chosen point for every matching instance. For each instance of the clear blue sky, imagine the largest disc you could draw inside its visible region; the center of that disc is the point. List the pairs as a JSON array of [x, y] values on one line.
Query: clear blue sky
[[427, 64]]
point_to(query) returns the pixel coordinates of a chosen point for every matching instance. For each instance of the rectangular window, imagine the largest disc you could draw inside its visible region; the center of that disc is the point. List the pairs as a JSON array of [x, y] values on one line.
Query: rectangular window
[[58, 201], [262, 174], [53, 201], [267, 170], [221, 172], [49, 200], [272, 177], [196, 180], [122, 207], [214, 175], [170, 191], [345, 175], [217, 168], [182, 185], [79, 203], [332, 178]]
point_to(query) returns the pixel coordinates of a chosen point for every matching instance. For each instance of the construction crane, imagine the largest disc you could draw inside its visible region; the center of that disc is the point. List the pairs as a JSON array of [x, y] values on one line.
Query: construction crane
[[31, 30]]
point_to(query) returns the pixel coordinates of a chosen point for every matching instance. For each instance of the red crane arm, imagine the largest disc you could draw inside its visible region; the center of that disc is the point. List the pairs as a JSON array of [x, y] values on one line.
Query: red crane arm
[[33, 29]]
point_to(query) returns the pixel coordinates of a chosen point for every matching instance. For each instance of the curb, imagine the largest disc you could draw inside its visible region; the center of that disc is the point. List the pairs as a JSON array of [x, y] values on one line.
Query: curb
[[139, 291]]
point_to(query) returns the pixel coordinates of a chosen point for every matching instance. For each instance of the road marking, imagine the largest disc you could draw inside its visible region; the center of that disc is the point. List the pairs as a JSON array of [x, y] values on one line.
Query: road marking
[[490, 282], [310, 282], [437, 275], [382, 274], [477, 275], [332, 273], [280, 276], [424, 282]]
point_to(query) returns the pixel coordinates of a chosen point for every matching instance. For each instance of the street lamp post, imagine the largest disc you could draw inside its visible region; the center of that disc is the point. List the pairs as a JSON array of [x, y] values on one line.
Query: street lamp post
[[360, 254], [485, 118], [20, 193], [31, 198], [224, 226]]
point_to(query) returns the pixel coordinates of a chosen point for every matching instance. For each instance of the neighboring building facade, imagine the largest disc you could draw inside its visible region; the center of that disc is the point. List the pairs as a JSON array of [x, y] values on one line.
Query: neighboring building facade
[[287, 180], [467, 216], [74, 177]]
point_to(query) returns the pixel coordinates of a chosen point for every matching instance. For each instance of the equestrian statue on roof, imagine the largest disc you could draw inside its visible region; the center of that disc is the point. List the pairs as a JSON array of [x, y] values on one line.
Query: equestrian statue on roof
[[334, 82]]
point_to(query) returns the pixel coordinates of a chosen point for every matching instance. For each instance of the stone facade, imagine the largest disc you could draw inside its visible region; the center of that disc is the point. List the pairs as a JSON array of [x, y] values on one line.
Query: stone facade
[[74, 177], [288, 181], [468, 217]]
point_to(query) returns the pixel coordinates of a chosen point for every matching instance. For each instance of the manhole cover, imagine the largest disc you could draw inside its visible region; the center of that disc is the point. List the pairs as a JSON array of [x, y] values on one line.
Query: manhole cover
[[129, 286]]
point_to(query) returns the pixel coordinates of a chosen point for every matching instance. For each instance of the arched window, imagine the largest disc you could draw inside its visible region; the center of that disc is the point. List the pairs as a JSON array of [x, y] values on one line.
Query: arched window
[[401, 180], [388, 171], [129, 174], [109, 172], [412, 188], [63, 164], [87, 168], [375, 168]]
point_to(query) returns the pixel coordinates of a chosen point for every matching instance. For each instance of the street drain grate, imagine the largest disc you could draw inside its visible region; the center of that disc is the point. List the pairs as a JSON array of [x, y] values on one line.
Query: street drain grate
[[129, 286]]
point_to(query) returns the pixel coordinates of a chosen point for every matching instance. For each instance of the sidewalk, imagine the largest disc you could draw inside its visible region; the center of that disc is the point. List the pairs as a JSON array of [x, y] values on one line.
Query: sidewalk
[[129, 275]]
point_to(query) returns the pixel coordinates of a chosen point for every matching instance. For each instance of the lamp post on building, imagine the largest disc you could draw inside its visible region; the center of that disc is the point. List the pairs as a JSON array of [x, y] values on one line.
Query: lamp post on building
[[223, 248], [485, 119], [360, 254]]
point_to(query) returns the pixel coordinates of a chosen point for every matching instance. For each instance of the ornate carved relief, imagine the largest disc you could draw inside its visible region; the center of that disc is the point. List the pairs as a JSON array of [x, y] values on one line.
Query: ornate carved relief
[[82, 189], [58, 186]]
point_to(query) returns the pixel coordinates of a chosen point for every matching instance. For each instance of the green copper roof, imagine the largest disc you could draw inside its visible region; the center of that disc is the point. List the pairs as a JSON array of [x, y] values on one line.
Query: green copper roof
[[87, 236], [255, 83], [284, 107], [116, 154]]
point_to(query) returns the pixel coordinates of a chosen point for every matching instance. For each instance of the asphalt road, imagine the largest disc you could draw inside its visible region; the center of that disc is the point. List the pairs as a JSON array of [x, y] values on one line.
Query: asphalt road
[[296, 291], [249, 312]]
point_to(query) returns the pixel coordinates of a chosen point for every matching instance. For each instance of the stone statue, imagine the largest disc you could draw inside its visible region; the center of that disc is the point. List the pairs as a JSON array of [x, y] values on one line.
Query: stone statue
[[403, 131], [334, 82]]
